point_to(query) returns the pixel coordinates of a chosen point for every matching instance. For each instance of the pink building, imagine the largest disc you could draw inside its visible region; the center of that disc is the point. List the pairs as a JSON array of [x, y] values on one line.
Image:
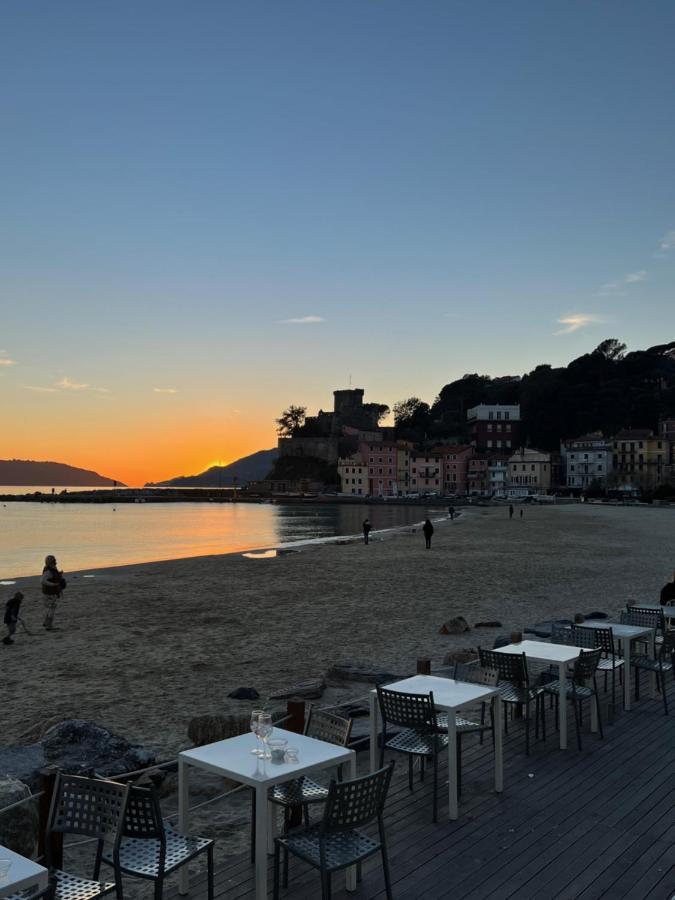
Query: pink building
[[426, 473], [455, 466], [382, 461]]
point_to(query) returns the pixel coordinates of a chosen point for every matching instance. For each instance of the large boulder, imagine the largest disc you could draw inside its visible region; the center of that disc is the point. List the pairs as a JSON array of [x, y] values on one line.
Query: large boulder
[[456, 625], [18, 827], [244, 693], [356, 671], [79, 747]]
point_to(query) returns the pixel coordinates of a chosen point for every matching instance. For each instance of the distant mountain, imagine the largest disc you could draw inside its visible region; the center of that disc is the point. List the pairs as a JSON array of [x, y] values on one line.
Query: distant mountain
[[248, 468], [27, 472]]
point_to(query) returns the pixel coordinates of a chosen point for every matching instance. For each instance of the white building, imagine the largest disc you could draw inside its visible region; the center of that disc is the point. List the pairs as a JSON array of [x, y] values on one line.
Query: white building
[[585, 460], [529, 472]]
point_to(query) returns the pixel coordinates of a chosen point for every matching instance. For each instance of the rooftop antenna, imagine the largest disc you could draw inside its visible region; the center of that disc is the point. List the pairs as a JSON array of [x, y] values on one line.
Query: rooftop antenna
[[350, 382]]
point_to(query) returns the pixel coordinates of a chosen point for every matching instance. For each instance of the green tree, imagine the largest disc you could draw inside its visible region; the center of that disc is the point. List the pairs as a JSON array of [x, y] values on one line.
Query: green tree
[[291, 421]]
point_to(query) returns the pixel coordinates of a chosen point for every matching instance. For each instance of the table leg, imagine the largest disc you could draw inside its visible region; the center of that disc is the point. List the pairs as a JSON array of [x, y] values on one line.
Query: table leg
[[452, 765], [652, 675], [373, 732], [261, 810], [562, 703], [499, 746], [625, 646], [594, 715], [351, 871], [183, 817]]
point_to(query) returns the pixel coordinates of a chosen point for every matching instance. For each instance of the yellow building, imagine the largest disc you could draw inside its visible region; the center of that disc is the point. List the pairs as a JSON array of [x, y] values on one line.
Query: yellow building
[[529, 472], [353, 475], [640, 459]]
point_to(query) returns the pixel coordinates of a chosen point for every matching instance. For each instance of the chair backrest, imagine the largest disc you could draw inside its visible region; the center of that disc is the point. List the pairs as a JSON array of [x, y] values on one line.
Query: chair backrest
[[408, 710], [509, 666], [604, 638], [644, 618], [326, 726], [143, 816], [561, 634], [88, 806], [355, 803], [582, 636], [474, 674], [585, 664], [667, 648]]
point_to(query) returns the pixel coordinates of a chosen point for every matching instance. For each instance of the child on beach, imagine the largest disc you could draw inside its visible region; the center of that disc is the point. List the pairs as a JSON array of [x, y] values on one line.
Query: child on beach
[[53, 583], [12, 607]]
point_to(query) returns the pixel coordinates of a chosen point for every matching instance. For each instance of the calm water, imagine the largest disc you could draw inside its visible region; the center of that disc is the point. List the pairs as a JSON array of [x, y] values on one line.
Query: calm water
[[86, 535]]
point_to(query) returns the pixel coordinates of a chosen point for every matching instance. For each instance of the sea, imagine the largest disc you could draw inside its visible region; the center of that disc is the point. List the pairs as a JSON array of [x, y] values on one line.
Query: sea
[[92, 535]]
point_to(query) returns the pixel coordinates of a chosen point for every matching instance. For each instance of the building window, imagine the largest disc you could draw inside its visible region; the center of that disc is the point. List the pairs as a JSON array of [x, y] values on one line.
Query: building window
[[506, 416], [489, 443]]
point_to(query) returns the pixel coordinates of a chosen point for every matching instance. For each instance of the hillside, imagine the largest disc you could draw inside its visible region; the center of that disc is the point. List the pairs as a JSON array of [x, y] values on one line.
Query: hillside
[[248, 468], [27, 472]]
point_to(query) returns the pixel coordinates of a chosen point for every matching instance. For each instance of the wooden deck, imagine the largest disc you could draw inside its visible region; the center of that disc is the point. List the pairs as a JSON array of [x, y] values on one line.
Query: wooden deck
[[590, 824]]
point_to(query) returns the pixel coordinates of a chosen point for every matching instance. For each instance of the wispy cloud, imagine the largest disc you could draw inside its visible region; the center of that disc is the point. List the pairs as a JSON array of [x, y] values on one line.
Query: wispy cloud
[[165, 390], [67, 384], [303, 320], [667, 242], [39, 390], [575, 321], [616, 288]]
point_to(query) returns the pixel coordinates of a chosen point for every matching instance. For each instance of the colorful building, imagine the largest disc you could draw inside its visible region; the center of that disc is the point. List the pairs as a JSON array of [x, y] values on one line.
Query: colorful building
[[586, 460], [478, 476], [426, 474], [494, 426], [529, 472], [382, 461], [498, 474], [455, 466], [353, 476], [640, 459]]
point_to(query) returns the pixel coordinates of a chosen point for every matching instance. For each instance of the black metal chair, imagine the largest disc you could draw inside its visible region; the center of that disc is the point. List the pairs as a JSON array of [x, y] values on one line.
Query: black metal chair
[[91, 808], [514, 687], [420, 736], [610, 661], [337, 841], [322, 725], [150, 848], [561, 634], [644, 617], [577, 689], [662, 662]]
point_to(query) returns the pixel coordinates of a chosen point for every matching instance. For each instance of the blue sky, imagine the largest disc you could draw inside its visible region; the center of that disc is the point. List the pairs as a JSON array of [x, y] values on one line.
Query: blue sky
[[439, 183]]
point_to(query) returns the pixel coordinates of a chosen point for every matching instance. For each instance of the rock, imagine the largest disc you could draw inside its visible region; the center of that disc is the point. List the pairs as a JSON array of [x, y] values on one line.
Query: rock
[[354, 711], [207, 729], [596, 615], [354, 671], [457, 625], [305, 690], [23, 763], [543, 629], [244, 693], [18, 827], [79, 747], [492, 624], [501, 641], [459, 656]]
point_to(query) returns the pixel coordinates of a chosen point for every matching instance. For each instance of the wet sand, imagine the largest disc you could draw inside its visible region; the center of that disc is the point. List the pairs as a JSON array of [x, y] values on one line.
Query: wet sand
[[141, 649]]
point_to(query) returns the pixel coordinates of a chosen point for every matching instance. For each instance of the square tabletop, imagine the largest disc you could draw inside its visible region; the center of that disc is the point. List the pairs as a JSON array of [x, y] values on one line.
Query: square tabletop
[[448, 694], [233, 758], [621, 631], [22, 873], [543, 652]]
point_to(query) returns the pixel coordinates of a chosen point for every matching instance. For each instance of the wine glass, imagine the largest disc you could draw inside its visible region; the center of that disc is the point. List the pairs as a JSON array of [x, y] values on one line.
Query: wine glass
[[255, 723], [265, 730]]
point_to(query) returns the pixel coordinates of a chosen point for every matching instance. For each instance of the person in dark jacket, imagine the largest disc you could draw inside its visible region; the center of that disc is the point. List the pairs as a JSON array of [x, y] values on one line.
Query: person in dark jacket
[[12, 607], [668, 592], [428, 530], [366, 530], [53, 583]]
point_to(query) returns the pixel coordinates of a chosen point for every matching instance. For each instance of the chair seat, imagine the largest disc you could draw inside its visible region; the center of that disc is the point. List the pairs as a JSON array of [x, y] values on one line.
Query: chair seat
[[299, 791], [140, 856], [514, 693], [410, 741], [609, 663], [71, 887], [463, 725], [646, 662], [342, 848], [578, 691]]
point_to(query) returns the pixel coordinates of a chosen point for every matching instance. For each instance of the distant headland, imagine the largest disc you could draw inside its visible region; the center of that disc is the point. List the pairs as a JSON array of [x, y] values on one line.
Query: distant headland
[[240, 472], [18, 472]]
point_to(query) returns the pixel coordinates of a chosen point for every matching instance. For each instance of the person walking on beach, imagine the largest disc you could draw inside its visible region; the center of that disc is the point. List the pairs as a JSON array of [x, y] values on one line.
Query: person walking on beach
[[12, 607], [668, 592], [366, 530], [428, 530], [451, 512], [53, 583], [521, 514], [510, 510]]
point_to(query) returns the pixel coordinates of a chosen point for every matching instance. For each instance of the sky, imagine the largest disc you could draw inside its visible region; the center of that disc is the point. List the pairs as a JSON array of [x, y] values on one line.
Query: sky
[[212, 210]]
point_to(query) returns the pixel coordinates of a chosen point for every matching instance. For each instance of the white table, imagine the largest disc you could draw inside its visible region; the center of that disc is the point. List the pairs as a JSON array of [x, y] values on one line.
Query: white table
[[449, 696], [23, 873], [233, 759], [561, 655], [625, 634]]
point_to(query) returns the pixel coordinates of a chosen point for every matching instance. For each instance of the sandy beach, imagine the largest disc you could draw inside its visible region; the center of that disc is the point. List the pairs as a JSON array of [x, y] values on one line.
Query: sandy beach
[[141, 649]]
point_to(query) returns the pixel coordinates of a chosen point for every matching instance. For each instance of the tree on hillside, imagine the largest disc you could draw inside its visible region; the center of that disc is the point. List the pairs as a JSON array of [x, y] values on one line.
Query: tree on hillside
[[291, 421], [412, 419], [611, 349], [378, 409]]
